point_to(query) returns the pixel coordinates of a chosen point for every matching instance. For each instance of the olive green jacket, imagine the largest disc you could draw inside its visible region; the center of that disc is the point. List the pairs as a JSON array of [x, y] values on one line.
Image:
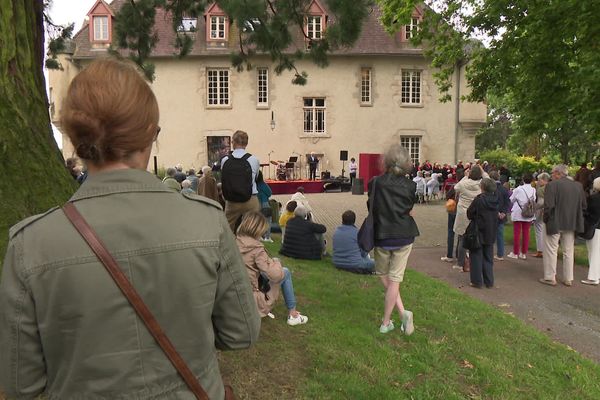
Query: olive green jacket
[[68, 332]]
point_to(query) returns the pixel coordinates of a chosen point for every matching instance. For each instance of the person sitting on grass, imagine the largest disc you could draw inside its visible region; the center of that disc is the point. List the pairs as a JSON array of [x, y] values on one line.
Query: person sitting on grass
[[249, 234], [303, 238], [347, 255], [301, 199], [484, 210], [285, 217]]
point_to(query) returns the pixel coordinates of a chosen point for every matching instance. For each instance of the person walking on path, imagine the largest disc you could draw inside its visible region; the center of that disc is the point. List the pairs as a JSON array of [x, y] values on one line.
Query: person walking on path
[[592, 219], [467, 189], [484, 210], [239, 170], [393, 197], [538, 223], [503, 210], [564, 203], [521, 198]]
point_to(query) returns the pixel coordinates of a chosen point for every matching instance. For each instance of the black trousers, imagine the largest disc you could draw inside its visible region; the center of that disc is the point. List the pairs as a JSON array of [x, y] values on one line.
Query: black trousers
[[482, 262], [313, 173]]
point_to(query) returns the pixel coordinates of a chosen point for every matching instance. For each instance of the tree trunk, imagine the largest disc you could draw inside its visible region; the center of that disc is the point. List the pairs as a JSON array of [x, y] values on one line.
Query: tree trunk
[[33, 174]]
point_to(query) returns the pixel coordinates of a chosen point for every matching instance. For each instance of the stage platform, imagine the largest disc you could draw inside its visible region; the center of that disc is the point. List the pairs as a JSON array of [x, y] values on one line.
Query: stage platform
[[289, 187]]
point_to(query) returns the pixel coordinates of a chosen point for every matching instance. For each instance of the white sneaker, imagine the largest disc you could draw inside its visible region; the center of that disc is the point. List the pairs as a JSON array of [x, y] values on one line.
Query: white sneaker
[[271, 315], [498, 258], [512, 255], [447, 259], [522, 256], [297, 320], [457, 267]]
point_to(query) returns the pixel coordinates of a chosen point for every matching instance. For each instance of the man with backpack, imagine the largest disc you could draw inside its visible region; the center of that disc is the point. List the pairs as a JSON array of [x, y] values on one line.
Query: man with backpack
[[238, 177]]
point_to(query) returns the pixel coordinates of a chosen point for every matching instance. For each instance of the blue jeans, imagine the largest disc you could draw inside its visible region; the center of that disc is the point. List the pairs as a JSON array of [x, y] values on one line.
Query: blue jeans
[[287, 287], [450, 249], [500, 240]]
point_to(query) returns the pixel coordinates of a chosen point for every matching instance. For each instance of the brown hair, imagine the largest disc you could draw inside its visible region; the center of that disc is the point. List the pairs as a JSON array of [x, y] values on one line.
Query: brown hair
[[110, 111], [253, 224], [240, 138]]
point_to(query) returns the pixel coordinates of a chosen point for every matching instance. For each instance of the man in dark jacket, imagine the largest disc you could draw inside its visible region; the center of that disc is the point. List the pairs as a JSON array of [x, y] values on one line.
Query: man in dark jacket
[[504, 206], [484, 209], [564, 203], [303, 238]]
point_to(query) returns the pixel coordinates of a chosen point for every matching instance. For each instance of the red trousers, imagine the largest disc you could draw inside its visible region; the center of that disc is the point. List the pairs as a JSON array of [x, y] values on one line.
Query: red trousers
[[518, 227]]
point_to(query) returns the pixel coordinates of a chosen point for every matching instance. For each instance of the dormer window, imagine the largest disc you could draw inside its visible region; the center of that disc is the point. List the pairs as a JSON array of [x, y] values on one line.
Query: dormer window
[[100, 24], [217, 24], [411, 29], [188, 24], [314, 27], [100, 28]]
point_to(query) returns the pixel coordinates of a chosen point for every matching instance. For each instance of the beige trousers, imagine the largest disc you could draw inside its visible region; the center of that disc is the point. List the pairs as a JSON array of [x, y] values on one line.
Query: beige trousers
[[567, 241], [233, 210]]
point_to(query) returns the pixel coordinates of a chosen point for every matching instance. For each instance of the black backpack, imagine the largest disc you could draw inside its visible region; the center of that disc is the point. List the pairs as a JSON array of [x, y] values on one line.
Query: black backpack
[[236, 177]]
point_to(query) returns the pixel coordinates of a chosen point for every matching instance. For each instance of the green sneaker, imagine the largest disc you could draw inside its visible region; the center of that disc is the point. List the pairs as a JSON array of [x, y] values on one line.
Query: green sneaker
[[407, 323], [386, 328]]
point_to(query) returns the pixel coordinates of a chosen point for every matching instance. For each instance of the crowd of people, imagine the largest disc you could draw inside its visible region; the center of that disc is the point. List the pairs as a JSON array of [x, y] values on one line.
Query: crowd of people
[[197, 246]]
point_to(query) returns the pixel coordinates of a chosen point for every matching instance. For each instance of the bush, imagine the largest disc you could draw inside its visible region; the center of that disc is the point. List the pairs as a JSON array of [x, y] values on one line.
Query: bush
[[517, 165]]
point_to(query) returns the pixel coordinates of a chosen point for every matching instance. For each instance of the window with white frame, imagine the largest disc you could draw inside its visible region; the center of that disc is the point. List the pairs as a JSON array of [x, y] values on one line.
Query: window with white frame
[[314, 116], [218, 87], [411, 87], [218, 24], [365, 86], [314, 27], [411, 29], [413, 145], [262, 89], [100, 28]]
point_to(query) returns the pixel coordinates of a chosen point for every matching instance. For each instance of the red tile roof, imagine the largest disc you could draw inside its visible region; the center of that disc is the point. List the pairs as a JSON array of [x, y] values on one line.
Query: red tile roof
[[374, 40]]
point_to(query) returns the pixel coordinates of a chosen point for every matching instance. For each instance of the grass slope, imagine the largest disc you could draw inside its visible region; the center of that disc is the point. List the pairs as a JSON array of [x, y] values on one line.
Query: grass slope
[[462, 348]]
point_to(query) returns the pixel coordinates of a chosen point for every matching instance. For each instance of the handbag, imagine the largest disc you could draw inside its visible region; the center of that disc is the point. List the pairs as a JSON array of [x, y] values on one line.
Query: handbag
[[451, 206], [89, 235], [471, 239], [366, 233]]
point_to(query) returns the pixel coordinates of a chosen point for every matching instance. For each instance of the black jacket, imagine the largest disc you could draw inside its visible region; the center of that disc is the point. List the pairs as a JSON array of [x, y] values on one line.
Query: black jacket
[[504, 204], [485, 209], [592, 213], [300, 240], [394, 199]]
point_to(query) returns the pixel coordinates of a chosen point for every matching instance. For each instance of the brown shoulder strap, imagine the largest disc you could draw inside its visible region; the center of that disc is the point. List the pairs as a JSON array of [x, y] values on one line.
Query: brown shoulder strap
[[134, 298]]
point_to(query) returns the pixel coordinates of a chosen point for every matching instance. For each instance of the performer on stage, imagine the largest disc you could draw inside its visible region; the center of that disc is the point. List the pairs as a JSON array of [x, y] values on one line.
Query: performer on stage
[[313, 161], [353, 168]]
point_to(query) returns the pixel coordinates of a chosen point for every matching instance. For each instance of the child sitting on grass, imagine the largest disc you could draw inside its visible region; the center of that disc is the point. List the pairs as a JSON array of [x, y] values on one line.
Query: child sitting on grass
[[289, 213], [251, 229]]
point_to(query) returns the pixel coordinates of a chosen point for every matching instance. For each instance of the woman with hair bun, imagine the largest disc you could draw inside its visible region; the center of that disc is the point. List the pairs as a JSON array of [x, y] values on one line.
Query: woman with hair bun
[[66, 330], [393, 197]]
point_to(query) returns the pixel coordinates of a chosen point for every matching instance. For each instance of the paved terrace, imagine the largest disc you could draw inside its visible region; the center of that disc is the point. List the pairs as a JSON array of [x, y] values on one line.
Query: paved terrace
[[568, 315]]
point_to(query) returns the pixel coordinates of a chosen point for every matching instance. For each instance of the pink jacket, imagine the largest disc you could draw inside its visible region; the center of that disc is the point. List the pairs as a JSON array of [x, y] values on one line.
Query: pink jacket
[[257, 260]]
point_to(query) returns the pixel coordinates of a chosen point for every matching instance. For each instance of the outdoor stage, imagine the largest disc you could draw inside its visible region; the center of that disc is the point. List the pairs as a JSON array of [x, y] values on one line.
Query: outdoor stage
[[289, 187]]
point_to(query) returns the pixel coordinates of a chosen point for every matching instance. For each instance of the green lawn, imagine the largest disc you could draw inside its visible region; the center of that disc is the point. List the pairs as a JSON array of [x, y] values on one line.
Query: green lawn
[[461, 349], [581, 257]]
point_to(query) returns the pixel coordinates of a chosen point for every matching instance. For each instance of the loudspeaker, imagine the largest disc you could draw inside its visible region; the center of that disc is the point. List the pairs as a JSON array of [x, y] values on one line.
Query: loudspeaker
[[343, 155]]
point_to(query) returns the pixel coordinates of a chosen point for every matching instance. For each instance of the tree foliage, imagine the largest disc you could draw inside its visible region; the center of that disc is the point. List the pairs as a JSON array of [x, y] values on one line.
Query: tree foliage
[[541, 57], [265, 27]]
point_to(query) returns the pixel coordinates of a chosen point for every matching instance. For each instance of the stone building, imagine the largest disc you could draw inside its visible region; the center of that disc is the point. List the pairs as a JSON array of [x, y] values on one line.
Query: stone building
[[378, 91]]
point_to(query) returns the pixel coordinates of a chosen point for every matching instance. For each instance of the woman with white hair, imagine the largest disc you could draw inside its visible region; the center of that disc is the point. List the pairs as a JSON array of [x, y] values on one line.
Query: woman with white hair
[[393, 197], [592, 220]]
